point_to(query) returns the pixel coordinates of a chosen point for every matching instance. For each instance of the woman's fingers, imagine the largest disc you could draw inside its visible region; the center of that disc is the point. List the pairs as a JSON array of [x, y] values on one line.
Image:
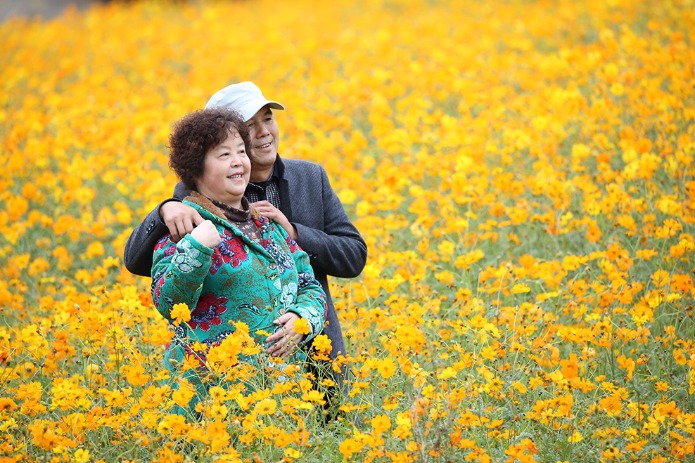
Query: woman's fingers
[[285, 345]]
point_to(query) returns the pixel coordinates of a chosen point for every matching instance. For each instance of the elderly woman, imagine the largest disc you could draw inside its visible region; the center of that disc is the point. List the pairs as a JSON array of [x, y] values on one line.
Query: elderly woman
[[236, 266]]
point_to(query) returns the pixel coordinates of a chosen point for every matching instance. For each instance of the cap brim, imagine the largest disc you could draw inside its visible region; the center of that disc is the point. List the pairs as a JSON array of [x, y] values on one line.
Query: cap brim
[[250, 110]]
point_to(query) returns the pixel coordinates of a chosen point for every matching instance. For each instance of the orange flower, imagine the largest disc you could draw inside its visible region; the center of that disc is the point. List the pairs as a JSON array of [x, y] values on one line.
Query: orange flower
[[682, 283], [266, 407], [136, 375], [570, 368], [301, 326], [180, 313], [380, 424]]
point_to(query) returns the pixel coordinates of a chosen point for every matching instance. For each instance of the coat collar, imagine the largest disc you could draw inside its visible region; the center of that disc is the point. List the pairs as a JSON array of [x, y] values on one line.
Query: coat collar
[[205, 202]]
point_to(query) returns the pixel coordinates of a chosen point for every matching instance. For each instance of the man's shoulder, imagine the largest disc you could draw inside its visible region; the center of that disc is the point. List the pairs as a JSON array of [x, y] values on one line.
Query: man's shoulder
[[299, 165]]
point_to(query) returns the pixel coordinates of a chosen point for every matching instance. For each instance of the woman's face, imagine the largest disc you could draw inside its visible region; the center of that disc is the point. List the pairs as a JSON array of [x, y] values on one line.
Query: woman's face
[[226, 171]]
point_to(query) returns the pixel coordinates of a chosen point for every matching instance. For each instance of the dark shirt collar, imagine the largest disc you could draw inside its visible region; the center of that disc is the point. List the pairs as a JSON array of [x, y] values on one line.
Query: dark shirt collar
[[278, 172], [278, 168], [234, 214]]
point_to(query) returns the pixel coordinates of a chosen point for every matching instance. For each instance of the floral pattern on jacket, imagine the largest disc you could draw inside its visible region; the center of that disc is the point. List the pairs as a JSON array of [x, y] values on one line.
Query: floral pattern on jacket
[[239, 280]]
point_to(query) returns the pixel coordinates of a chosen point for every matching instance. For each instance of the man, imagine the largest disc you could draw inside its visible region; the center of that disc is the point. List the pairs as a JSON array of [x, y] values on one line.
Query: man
[[296, 194]]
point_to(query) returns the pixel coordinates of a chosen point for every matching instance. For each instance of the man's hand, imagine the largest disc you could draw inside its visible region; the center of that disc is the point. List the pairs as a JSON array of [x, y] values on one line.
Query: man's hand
[[272, 212], [284, 341], [206, 234], [179, 218]]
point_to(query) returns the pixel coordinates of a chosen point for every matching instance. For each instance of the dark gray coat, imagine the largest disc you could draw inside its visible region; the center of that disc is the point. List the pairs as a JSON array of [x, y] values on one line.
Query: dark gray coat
[[324, 231]]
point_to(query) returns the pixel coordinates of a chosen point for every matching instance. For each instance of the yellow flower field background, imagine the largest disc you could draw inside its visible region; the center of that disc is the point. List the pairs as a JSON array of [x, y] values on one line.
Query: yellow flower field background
[[523, 173]]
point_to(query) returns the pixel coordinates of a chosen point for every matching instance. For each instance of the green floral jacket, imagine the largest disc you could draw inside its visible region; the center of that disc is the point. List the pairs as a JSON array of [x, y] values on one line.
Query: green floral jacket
[[239, 280]]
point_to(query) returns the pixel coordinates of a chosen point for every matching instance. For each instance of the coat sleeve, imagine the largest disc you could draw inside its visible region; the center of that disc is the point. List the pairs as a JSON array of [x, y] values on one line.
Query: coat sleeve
[[137, 255], [178, 272], [339, 249], [311, 300]]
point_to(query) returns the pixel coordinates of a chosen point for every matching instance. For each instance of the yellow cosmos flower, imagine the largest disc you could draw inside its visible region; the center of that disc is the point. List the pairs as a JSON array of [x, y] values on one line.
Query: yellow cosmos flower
[[468, 259], [349, 447], [80, 456], [265, 407], [136, 375], [180, 313], [445, 277], [183, 395], [380, 424], [7, 404], [447, 373], [322, 343], [301, 326], [520, 288], [95, 249], [662, 386], [292, 454], [386, 367]]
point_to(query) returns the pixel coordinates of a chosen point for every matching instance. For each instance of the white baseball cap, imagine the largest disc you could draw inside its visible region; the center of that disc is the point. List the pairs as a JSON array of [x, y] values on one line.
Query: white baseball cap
[[245, 98]]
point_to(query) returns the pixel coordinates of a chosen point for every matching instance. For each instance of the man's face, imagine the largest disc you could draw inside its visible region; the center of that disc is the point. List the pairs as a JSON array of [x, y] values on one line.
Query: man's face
[[265, 137]]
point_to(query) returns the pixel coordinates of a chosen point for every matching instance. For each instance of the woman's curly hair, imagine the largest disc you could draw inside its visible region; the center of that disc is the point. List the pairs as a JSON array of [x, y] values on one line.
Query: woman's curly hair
[[196, 134]]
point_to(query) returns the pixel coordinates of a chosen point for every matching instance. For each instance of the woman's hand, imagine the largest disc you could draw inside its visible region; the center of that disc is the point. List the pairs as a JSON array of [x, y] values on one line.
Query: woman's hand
[[284, 341], [206, 234], [179, 218]]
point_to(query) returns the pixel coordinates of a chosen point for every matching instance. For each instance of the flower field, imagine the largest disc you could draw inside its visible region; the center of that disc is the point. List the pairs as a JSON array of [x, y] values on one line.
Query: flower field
[[523, 172]]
